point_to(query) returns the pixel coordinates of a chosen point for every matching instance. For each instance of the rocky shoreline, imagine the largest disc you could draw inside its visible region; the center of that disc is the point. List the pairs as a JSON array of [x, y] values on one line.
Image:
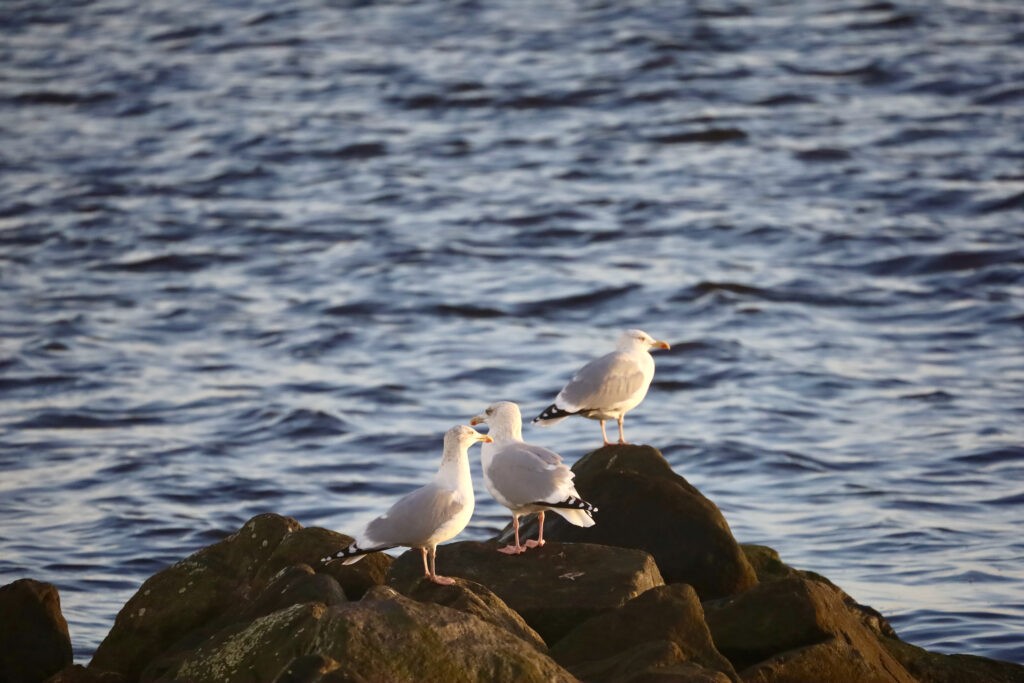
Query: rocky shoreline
[[657, 591]]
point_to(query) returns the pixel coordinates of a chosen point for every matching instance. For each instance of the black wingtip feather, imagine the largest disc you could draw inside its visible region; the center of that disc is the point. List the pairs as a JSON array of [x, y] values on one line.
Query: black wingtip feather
[[571, 503], [552, 412], [353, 550]]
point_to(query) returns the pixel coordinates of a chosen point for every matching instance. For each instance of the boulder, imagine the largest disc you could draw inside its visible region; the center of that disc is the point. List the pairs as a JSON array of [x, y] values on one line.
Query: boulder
[[661, 628], [79, 674], [660, 661], [933, 667], [311, 669], [770, 567], [307, 546], [554, 588], [643, 504], [224, 583], [383, 637], [834, 661], [34, 640], [678, 673], [478, 600], [188, 595], [294, 585], [797, 629], [767, 564]]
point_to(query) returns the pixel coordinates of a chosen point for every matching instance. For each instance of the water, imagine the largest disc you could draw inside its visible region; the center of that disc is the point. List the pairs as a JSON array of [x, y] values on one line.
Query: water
[[259, 256]]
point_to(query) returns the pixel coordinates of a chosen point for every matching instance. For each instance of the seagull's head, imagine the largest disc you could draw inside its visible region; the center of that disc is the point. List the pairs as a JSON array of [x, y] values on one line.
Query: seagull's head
[[500, 413], [638, 339], [461, 436]]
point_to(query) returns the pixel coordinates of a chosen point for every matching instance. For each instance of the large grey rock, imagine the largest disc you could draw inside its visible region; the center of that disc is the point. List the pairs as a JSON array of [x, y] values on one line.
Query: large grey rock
[[308, 545], [384, 637], [933, 667], [221, 584], [478, 600], [77, 673], [188, 595], [659, 661], [655, 631], [797, 629], [554, 588], [643, 504], [34, 640], [770, 567]]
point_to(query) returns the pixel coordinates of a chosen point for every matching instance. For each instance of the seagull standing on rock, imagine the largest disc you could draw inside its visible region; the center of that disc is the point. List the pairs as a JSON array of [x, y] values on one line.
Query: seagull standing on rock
[[608, 387], [526, 478], [429, 515]]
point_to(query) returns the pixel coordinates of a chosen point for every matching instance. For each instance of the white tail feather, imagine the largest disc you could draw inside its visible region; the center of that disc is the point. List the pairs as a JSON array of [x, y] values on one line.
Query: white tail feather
[[574, 516]]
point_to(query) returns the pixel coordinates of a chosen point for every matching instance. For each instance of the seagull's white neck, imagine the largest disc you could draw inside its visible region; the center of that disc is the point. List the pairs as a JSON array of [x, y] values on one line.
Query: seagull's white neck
[[454, 470], [503, 431]]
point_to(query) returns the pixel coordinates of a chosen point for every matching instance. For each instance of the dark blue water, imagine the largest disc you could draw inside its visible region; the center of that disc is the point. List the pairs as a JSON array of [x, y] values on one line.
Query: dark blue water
[[260, 255]]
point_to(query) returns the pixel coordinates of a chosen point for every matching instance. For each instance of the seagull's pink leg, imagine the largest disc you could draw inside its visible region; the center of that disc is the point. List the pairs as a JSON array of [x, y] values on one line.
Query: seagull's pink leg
[[530, 543], [604, 434], [433, 576], [513, 549], [426, 569], [622, 434]]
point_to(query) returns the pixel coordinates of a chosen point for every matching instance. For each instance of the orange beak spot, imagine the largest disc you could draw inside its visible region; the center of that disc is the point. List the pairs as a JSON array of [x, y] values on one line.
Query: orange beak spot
[[475, 421]]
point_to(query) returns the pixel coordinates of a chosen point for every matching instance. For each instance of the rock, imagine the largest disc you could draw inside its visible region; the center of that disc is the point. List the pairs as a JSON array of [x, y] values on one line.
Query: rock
[[766, 562], [660, 628], [797, 629], [188, 595], [308, 669], [384, 637], [34, 640], [643, 504], [678, 673], [660, 661], [478, 600], [770, 567], [554, 588], [259, 606], [307, 546], [834, 661], [294, 585], [932, 667], [79, 674], [224, 583]]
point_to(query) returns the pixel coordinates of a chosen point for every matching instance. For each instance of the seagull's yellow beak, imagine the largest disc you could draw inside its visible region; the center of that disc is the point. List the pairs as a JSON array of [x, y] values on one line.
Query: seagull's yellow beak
[[661, 344], [484, 438], [479, 419]]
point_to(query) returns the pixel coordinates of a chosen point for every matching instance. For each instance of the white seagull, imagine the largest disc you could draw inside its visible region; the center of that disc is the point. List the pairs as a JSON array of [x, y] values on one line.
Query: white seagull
[[429, 515], [608, 387], [526, 478]]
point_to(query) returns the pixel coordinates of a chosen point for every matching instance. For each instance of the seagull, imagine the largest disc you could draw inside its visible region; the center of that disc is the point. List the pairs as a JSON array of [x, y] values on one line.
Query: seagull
[[608, 387], [527, 478], [431, 514]]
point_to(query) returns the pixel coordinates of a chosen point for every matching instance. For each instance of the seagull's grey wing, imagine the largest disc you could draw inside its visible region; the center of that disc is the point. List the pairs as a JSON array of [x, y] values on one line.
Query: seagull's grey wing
[[602, 382], [521, 477], [548, 456], [416, 517]]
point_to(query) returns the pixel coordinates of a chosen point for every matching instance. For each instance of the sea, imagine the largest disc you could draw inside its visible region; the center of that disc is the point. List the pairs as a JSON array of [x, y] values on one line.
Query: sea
[[258, 255]]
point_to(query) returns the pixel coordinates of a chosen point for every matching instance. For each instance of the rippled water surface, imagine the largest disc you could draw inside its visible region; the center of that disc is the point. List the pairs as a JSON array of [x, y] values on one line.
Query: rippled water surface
[[258, 256]]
